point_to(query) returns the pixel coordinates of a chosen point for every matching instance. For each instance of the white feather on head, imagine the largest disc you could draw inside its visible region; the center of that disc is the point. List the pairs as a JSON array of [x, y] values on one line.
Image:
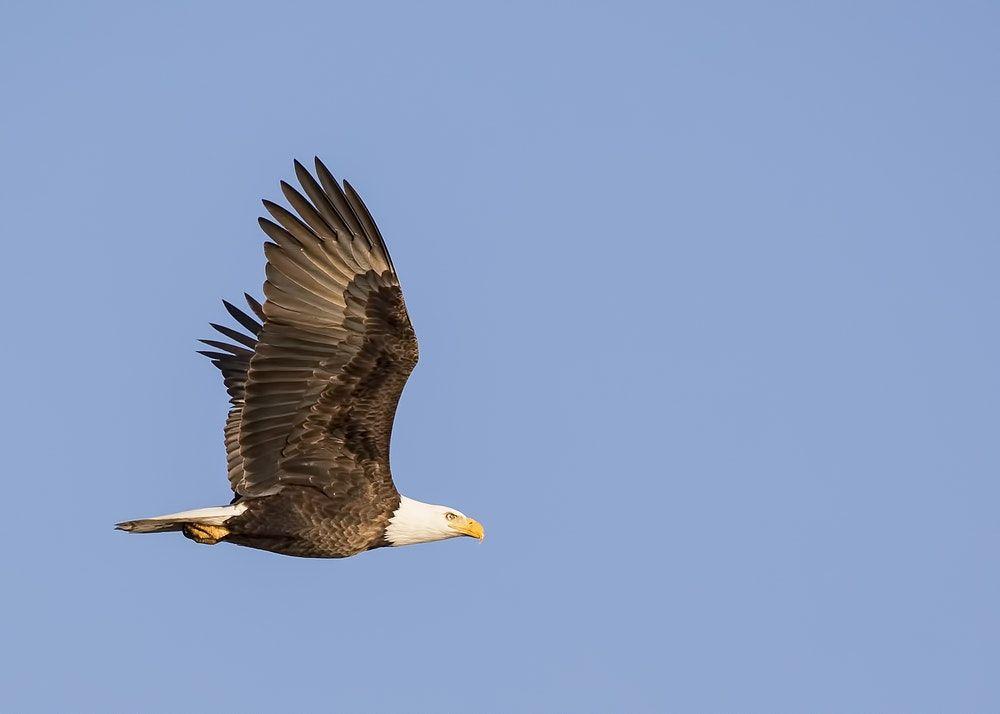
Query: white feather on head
[[417, 522]]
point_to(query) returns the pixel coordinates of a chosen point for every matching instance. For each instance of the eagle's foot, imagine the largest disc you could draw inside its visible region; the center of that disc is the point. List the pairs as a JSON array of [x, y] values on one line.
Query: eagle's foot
[[206, 534]]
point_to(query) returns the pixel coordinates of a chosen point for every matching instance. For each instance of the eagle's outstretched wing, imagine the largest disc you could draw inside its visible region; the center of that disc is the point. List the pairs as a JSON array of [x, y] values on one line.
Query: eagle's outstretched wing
[[325, 371]]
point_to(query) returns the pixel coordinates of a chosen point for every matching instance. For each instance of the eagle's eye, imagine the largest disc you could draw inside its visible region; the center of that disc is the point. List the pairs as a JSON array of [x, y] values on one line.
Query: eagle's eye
[[450, 516]]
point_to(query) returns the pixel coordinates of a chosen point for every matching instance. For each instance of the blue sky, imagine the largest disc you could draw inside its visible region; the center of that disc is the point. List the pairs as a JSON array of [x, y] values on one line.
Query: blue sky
[[707, 299]]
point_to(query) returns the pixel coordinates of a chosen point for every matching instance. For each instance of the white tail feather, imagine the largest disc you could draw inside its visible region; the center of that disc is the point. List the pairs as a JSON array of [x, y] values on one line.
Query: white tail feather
[[214, 516]]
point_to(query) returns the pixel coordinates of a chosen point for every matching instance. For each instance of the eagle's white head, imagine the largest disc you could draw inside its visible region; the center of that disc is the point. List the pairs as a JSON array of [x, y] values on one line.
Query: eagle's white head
[[416, 522]]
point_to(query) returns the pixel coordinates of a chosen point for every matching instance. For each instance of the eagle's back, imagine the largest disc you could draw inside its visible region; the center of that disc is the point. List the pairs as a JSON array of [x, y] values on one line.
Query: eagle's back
[[305, 522]]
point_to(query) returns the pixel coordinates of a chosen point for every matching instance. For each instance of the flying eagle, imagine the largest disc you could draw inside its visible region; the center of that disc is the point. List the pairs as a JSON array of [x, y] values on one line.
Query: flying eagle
[[313, 389]]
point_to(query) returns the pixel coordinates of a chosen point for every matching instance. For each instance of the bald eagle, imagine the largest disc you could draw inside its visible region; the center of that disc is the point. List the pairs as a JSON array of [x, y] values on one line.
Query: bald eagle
[[313, 389]]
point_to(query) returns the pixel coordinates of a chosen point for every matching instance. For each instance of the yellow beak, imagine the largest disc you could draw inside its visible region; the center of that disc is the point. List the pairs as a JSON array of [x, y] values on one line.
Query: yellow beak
[[471, 528]]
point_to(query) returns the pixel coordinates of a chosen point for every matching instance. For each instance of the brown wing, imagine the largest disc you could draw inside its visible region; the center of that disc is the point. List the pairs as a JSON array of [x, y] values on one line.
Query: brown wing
[[334, 352], [233, 361]]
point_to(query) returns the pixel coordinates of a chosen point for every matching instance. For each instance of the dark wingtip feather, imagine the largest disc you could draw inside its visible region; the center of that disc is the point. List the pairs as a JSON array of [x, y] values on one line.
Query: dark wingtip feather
[[326, 202], [234, 335], [321, 167], [335, 193], [271, 206], [367, 222], [276, 232], [255, 306], [288, 191], [233, 349], [302, 174], [241, 317]]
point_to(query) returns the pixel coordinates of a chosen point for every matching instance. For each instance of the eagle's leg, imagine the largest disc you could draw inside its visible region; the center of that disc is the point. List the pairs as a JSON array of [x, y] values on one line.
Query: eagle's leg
[[206, 534]]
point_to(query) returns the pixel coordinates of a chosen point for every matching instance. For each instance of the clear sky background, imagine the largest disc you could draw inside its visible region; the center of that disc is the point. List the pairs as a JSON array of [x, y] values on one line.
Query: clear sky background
[[708, 303]]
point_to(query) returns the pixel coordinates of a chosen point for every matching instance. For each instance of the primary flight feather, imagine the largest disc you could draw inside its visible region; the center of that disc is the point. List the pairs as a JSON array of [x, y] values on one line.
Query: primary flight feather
[[313, 389]]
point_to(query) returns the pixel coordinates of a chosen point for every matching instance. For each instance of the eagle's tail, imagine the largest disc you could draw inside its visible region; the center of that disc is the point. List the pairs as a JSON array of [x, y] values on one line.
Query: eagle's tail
[[202, 524], [149, 525]]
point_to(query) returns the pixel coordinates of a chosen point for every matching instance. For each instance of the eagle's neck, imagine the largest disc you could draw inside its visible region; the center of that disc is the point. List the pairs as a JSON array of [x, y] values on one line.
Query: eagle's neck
[[417, 522]]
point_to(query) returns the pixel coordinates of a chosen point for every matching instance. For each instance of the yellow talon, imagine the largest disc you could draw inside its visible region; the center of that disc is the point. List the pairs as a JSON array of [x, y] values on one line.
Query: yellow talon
[[206, 534]]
